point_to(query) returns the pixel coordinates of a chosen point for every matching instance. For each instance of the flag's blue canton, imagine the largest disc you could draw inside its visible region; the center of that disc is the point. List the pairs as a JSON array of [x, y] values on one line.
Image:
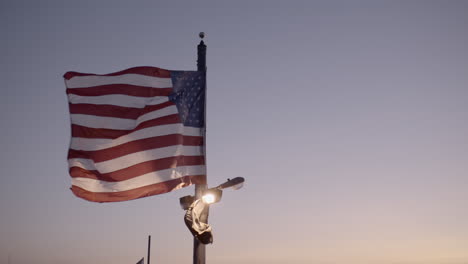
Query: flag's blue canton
[[189, 96]]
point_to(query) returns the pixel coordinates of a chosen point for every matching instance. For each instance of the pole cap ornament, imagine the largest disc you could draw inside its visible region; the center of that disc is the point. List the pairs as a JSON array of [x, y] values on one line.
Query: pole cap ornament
[[201, 35]]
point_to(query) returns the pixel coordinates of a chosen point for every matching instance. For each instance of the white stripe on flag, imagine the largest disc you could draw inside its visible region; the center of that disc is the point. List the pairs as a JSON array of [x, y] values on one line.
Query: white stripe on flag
[[135, 158], [93, 121], [170, 110], [118, 100], [92, 144], [103, 122], [93, 185], [132, 79]]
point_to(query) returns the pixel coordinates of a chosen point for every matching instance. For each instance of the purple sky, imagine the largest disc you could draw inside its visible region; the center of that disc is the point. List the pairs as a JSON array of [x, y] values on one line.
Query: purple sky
[[348, 119]]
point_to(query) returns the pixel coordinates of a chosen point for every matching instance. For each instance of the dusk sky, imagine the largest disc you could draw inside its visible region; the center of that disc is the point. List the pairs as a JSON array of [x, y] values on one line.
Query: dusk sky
[[348, 120]]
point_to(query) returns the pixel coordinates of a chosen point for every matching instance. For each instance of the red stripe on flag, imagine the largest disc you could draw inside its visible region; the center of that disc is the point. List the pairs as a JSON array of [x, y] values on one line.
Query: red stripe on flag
[[141, 192], [125, 89], [138, 169], [143, 70], [87, 132], [136, 146], [105, 110], [115, 111]]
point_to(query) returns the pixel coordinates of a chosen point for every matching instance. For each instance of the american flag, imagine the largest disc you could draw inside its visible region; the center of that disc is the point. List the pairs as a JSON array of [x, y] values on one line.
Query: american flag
[[135, 133]]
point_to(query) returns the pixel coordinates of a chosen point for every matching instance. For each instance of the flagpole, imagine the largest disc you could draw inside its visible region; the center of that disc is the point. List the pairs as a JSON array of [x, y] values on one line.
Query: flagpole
[[199, 248], [149, 249]]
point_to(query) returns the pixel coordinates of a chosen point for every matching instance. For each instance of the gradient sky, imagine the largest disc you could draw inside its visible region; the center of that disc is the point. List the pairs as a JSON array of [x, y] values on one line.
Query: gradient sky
[[348, 119]]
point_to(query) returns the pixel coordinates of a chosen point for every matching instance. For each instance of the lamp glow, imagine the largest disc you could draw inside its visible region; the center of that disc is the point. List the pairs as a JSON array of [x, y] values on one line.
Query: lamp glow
[[208, 198]]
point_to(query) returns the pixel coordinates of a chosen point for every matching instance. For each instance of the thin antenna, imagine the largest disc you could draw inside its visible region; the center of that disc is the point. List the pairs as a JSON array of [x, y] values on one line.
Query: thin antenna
[[149, 249]]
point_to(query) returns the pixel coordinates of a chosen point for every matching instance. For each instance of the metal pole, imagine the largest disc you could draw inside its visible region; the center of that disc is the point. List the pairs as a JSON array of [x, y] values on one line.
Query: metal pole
[[149, 249], [199, 248], [201, 60]]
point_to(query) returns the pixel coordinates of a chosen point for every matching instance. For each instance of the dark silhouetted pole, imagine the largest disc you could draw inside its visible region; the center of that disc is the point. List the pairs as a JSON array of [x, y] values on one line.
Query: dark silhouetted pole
[[201, 60], [149, 249], [198, 247]]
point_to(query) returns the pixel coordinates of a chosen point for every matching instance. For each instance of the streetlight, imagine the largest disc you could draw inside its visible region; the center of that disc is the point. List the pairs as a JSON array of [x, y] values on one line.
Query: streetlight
[[213, 195], [197, 207]]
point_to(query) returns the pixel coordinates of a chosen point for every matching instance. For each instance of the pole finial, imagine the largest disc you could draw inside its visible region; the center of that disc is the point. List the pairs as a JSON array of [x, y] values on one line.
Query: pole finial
[[201, 61]]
